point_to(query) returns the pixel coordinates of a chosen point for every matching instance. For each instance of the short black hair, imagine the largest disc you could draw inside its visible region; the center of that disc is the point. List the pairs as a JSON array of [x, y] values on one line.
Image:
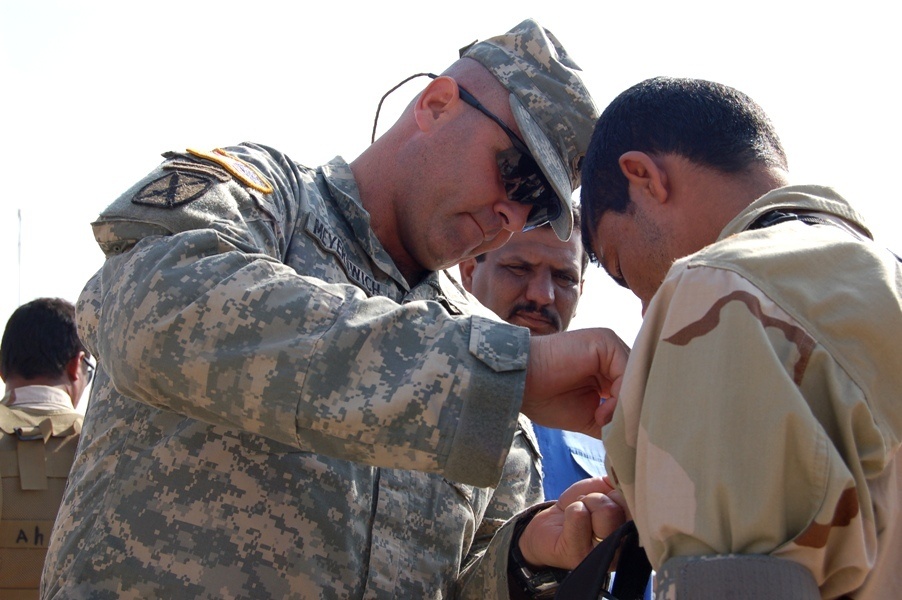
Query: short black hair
[[709, 123], [40, 339]]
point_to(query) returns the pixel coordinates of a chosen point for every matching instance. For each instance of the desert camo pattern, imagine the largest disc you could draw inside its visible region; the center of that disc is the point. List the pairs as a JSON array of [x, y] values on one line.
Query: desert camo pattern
[[760, 411], [277, 413]]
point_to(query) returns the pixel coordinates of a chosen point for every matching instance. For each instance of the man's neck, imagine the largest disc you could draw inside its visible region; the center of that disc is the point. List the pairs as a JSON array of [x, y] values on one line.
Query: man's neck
[[378, 196], [724, 196]]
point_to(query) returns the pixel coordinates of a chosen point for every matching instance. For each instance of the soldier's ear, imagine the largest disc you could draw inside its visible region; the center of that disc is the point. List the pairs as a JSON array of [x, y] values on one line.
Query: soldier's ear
[[73, 367], [645, 176], [466, 273], [439, 101]]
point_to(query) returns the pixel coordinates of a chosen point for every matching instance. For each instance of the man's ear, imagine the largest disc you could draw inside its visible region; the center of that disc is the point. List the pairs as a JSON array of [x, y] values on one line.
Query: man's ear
[[438, 100], [73, 367], [645, 174], [466, 273]]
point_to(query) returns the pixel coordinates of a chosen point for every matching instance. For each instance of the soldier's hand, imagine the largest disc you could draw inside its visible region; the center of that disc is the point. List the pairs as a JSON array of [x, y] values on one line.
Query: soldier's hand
[[573, 379], [563, 534]]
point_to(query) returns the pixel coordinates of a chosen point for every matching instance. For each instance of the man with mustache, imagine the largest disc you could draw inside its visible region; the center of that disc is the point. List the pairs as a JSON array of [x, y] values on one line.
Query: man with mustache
[[535, 281]]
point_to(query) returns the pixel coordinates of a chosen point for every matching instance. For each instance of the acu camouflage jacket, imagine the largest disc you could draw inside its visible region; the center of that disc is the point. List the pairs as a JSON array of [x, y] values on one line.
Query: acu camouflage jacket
[[277, 413]]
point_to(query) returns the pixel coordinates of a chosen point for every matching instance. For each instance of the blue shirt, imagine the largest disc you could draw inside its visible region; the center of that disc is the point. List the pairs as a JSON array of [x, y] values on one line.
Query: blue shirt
[[567, 457]]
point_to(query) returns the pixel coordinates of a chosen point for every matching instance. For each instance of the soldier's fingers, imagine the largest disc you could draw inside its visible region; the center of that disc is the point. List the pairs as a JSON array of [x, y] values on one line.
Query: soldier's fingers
[[606, 514], [576, 535], [605, 411], [583, 487]]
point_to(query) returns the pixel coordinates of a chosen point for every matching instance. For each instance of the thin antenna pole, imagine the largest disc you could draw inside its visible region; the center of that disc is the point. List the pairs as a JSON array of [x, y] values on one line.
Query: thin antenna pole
[[19, 290]]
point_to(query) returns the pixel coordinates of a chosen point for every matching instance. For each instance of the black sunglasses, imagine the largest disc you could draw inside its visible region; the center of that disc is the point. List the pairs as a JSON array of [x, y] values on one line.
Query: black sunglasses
[[523, 179]]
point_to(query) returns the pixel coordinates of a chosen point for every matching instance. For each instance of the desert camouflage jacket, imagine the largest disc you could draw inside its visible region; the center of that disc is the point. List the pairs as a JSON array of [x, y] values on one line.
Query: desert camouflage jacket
[[761, 411], [277, 413]]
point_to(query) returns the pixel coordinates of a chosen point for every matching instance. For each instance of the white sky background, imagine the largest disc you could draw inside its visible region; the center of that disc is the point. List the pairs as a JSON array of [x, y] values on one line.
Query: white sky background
[[92, 92]]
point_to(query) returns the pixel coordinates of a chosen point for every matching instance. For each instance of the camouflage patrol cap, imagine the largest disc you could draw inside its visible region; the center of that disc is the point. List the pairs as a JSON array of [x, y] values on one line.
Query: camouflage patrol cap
[[551, 104]]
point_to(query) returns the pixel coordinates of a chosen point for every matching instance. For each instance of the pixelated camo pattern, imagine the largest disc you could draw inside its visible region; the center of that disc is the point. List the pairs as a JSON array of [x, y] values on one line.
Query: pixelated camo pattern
[[761, 412], [277, 413], [531, 63]]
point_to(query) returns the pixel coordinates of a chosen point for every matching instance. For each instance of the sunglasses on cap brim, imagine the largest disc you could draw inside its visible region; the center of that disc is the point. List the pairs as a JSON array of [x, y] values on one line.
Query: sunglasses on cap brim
[[521, 175]]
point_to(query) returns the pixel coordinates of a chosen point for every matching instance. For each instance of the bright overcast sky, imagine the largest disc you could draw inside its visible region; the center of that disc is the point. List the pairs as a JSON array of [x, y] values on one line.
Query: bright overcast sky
[[93, 92]]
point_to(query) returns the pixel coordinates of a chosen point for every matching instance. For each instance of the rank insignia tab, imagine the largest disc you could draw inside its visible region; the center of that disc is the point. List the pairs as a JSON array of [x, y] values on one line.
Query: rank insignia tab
[[242, 170], [172, 189]]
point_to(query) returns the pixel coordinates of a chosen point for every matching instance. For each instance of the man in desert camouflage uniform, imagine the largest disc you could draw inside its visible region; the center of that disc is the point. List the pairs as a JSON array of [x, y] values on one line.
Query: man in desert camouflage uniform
[[294, 402], [757, 439]]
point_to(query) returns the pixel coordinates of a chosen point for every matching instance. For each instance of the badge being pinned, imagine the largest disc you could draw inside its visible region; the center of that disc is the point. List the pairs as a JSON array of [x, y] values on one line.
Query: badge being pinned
[[245, 172]]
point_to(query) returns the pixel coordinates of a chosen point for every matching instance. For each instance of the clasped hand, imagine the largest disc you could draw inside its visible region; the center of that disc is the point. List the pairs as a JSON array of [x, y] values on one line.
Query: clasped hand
[[563, 534]]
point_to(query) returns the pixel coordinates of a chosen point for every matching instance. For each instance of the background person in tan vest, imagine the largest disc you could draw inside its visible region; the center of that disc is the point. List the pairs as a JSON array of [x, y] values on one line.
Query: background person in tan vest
[[46, 370]]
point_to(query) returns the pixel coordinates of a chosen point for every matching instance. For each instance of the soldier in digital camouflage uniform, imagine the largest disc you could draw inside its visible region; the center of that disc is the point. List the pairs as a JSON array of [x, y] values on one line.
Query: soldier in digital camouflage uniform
[[293, 400], [757, 437]]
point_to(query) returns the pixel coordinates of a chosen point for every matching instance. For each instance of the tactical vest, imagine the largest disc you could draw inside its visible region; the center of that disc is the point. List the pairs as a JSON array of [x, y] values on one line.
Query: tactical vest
[[36, 453]]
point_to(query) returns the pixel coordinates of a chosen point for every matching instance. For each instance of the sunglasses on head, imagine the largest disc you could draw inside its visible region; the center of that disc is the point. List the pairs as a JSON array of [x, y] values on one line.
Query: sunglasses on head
[[523, 179]]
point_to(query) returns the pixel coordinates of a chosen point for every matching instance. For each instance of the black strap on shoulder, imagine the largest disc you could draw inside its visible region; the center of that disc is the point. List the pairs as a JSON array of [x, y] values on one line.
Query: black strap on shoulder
[[778, 216], [589, 580], [775, 217]]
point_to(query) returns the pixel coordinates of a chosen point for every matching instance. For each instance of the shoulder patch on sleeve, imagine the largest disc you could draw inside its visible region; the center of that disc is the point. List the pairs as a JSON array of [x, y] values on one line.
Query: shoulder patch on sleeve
[[245, 172], [172, 189]]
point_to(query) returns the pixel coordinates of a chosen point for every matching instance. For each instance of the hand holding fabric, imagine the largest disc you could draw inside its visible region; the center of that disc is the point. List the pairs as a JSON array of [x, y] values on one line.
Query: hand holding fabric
[[567, 375]]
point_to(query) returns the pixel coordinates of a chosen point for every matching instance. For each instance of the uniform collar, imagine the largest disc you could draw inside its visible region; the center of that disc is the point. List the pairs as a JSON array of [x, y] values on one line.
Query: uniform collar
[[809, 198], [43, 397], [346, 194]]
